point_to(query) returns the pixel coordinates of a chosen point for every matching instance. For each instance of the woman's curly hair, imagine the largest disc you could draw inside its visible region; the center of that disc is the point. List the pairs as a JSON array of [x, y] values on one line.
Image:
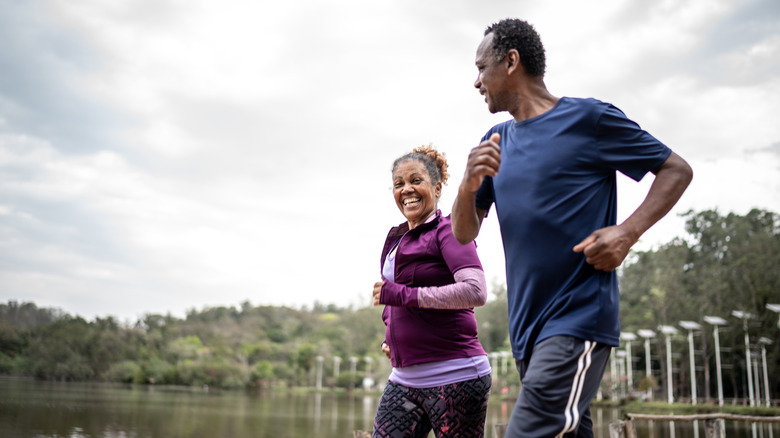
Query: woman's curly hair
[[434, 161]]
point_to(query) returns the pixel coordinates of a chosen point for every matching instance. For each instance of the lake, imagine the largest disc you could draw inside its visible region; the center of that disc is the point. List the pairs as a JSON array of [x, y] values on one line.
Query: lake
[[79, 410]]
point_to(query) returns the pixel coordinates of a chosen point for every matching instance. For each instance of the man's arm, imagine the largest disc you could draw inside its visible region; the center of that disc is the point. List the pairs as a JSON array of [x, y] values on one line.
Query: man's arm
[[466, 217], [484, 160], [606, 248]]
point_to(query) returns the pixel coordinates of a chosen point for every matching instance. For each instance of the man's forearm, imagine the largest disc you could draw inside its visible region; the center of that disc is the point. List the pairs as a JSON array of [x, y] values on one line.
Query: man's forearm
[[466, 219], [671, 180]]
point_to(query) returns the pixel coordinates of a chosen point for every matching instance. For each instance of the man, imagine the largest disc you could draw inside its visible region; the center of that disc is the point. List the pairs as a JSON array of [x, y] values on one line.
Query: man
[[551, 172]]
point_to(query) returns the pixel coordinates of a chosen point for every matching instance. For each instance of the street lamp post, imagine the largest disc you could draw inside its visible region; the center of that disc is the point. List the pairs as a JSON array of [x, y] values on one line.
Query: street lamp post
[[691, 326], [716, 321], [764, 341], [352, 371], [319, 372], [744, 316], [368, 381], [668, 331], [628, 337], [336, 366], [647, 334], [756, 378], [775, 308], [505, 355], [614, 376], [621, 356]]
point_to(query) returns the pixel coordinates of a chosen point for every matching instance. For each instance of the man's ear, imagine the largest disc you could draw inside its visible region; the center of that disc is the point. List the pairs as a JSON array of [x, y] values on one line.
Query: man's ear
[[513, 64]]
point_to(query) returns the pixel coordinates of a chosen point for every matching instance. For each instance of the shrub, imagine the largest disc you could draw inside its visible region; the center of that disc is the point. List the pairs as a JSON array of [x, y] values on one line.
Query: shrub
[[123, 372], [158, 371]]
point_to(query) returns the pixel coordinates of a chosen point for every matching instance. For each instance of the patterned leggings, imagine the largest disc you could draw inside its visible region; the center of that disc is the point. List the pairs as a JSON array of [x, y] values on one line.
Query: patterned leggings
[[457, 410]]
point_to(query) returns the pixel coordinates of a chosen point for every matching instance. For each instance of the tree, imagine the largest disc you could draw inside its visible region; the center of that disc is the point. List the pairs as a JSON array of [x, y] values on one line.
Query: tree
[[726, 263], [493, 321]]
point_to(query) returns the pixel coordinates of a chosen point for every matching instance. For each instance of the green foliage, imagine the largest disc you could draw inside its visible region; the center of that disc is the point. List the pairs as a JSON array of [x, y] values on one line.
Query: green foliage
[[123, 372], [11, 341], [190, 373], [26, 316], [222, 347], [349, 380], [222, 373], [725, 263], [156, 371], [189, 347], [306, 356], [647, 382], [262, 371], [729, 263], [493, 321], [17, 365]]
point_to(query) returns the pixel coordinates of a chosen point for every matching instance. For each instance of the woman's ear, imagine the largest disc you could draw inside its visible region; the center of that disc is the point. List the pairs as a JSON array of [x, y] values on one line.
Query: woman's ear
[[437, 191]]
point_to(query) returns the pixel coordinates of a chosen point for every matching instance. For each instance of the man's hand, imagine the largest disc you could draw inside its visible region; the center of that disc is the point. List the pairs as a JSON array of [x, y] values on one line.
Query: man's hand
[[606, 248], [483, 161], [378, 292]]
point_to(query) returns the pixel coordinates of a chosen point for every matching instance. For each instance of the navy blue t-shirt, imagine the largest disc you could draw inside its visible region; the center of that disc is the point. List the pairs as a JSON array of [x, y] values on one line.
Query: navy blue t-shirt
[[556, 185]]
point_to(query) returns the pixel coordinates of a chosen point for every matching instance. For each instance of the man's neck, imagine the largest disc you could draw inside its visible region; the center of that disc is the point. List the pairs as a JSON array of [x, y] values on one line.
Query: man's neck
[[533, 100]]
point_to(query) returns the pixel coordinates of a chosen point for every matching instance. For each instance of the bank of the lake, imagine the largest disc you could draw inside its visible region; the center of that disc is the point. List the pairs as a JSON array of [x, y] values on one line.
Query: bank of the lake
[[38, 409]]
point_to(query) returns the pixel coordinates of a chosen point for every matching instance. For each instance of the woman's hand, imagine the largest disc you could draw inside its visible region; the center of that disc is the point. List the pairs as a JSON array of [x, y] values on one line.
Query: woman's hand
[[377, 294], [386, 349]]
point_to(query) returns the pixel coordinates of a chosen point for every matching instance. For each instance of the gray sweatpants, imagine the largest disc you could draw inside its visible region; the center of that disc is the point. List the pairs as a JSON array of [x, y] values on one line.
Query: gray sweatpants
[[559, 380]]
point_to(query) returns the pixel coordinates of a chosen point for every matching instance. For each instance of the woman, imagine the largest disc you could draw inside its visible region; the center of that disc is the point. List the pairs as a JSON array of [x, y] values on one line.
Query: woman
[[430, 284]]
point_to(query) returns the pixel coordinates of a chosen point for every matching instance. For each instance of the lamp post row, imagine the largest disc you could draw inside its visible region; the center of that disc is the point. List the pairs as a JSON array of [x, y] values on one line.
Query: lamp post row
[[668, 331], [691, 326]]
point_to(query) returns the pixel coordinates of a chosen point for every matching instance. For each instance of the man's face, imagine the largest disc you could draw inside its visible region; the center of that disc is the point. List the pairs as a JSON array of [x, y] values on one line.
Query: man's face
[[491, 78]]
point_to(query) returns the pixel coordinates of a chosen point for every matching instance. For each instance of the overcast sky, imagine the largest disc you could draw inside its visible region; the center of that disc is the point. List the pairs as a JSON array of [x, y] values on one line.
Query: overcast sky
[[159, 156]]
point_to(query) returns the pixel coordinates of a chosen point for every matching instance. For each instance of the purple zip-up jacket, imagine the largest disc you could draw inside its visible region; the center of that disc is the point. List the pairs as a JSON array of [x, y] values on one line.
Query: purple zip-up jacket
[[427, 256]]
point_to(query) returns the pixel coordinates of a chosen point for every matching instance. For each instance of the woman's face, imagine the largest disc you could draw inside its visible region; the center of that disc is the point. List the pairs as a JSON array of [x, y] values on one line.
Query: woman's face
[[415, 195]]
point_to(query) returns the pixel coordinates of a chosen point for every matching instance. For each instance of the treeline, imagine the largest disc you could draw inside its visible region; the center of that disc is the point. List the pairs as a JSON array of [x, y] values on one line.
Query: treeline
[[222, 347], [724, 263]]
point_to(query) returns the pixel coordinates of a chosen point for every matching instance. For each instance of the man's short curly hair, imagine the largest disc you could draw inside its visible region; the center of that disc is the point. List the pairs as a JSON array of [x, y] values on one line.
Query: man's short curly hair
[[512, 33]]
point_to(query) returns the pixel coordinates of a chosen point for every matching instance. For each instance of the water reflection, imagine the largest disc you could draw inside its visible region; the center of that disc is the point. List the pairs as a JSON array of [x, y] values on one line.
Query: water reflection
[[46, 409], [733, 429]]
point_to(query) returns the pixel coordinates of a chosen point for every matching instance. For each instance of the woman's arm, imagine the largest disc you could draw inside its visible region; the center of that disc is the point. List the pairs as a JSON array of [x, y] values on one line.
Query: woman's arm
[[469, 290]]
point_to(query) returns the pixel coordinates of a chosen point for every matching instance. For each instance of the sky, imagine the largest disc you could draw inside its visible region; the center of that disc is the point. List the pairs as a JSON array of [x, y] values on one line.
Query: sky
[[167, 156]]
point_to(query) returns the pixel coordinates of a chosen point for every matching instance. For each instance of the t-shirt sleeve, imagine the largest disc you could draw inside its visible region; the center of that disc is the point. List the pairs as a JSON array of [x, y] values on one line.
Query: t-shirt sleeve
[[624, 146], [456, 255], [485, 196]]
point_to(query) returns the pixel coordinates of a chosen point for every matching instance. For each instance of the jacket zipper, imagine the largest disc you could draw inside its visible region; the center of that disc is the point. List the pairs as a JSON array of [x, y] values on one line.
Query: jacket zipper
[[394, 352]]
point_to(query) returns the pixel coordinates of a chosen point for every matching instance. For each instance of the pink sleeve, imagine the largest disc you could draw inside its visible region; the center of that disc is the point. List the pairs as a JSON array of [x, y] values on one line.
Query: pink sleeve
[[469, 290]]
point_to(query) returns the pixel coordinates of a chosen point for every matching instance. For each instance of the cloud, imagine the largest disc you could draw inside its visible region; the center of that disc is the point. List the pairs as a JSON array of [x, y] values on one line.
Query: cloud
[[160, 156], [43, 80]]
